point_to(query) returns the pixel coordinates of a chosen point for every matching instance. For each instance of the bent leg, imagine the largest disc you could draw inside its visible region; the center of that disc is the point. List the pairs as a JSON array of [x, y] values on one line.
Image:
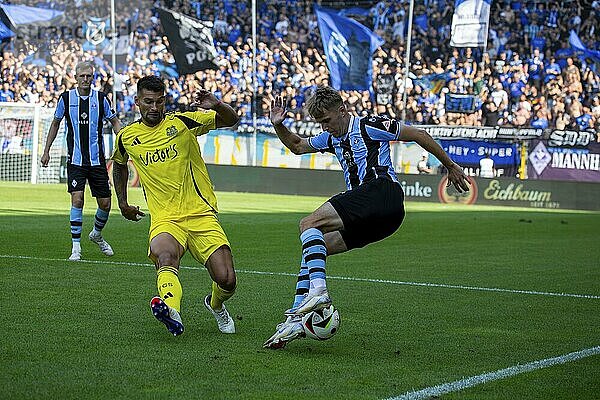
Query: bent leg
[[220, 268], [335, 243], [325, 218]]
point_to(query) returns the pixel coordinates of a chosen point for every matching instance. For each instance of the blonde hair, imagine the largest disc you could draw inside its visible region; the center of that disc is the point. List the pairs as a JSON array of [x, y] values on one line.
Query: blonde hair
[[324, 99]]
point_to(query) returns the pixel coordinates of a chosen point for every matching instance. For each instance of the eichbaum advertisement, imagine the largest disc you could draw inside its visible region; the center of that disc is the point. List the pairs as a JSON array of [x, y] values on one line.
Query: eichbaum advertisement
[[580, 164]]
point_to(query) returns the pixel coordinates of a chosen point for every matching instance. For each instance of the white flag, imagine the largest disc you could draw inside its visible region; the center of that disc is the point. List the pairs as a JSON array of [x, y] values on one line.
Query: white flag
[[470, 23]]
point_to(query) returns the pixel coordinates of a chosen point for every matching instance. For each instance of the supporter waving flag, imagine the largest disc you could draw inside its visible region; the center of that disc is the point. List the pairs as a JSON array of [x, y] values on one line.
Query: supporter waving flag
[[349, 47]]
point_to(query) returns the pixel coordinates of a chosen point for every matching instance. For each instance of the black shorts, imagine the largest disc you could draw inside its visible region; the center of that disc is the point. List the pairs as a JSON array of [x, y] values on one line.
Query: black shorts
[[97, 176], [371, 212]]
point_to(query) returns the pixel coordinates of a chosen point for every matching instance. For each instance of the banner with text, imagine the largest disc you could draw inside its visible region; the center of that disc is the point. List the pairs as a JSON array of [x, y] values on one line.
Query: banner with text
[[549, 162], [468, 153]]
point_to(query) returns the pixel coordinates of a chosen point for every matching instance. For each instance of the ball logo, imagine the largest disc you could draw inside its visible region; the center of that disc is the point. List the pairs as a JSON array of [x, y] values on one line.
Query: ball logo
[[449, 194]]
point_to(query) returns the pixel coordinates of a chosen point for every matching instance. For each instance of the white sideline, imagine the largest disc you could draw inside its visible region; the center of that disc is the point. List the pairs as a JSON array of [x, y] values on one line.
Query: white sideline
[[496, 375], [339, 278]]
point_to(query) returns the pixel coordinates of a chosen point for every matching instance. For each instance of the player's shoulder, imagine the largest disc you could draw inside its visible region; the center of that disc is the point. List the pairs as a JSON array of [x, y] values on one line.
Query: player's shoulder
[[375, 123], [131, 128], [192, 119], [372, 119]]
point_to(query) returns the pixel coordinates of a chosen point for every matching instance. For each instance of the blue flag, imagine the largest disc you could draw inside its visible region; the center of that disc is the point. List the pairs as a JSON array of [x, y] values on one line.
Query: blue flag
[[584, 52], [349, 47]]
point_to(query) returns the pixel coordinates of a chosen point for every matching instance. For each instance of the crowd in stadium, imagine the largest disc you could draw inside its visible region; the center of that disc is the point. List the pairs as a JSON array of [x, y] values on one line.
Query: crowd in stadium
[[527, 75]]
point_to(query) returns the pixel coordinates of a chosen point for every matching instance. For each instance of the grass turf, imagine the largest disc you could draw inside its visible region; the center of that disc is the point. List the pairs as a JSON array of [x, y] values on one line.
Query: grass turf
[[84, 330]]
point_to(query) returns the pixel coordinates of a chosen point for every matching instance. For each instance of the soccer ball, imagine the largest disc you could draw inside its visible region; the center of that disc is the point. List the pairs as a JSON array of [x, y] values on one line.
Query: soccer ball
[[321, 324]]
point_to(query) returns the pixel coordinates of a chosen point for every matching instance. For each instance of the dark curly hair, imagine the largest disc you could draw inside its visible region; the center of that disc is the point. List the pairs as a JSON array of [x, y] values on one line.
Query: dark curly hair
[[151, 83]]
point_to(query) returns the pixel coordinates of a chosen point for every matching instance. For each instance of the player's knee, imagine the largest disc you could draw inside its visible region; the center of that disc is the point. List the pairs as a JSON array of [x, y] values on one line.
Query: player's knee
[[104, 204], [167, 259], [226, 280], [230, 283], [77, 202], [307, 223]]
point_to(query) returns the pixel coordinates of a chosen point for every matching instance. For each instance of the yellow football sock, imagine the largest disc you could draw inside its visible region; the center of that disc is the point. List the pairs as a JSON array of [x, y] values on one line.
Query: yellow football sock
[[169, 287], [219, 295]]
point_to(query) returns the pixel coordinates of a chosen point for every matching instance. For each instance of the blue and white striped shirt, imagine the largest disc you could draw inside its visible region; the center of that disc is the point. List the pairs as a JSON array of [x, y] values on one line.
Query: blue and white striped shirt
[[364, 151], [85, 117]]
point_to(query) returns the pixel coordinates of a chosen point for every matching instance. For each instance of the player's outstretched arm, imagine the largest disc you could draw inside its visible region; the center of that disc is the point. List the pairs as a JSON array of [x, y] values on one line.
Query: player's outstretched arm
[[295, 143], [456, 175], [226, 116], [120, 176]]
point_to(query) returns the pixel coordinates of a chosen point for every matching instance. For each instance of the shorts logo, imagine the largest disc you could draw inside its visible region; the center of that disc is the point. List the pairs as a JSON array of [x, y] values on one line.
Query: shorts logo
[[74, 183], [172, 131]]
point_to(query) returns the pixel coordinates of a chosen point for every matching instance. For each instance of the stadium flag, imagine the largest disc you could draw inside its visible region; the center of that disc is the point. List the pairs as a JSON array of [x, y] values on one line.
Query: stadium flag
[[17, 20], [7, 27], [349, 47], [434, 82], [470, 23], [26, 15], [190, 40], [577, 45]]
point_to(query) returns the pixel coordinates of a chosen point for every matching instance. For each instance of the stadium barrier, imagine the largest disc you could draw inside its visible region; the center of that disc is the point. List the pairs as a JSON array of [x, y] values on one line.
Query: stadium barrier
[[430, 188]]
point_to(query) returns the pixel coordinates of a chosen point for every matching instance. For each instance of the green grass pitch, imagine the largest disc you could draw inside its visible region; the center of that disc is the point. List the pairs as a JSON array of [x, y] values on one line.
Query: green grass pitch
[[84, 330]]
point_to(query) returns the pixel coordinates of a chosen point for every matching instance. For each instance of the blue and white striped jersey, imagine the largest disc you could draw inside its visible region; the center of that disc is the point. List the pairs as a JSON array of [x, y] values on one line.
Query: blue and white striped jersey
[[85, 117], [364, 151]]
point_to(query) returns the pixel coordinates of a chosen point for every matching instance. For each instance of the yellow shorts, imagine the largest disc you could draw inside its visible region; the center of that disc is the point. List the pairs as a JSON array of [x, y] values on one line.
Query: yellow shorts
[[201, 235]]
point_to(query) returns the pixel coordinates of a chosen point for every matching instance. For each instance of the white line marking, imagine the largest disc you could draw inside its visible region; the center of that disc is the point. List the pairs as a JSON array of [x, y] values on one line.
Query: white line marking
[[339, 278], [496, 375]]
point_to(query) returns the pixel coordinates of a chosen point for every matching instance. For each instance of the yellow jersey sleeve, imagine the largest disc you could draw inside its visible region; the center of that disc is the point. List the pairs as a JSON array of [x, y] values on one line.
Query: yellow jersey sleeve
[[206, 120], [120, 156]]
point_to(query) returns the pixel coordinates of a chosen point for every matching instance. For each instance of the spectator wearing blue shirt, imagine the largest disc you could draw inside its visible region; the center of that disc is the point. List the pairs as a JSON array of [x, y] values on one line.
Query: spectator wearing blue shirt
[[540, 121], [584, 121], [6, 95], [552, 70], [535, 67], [516, 88]]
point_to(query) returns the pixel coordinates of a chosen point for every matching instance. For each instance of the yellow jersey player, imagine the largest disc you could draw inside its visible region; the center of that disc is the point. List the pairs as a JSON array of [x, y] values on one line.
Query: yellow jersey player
[[183, 207]]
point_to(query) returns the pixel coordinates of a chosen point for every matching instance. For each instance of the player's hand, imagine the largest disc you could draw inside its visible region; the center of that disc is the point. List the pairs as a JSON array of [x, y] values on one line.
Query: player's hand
[[457, 177], [45, 159], [278, 110], [132, 213], [202, 98]]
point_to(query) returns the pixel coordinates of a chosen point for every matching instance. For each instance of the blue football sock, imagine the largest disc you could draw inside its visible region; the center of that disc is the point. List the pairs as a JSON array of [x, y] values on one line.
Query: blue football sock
[[314, 254], [76, 222]]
